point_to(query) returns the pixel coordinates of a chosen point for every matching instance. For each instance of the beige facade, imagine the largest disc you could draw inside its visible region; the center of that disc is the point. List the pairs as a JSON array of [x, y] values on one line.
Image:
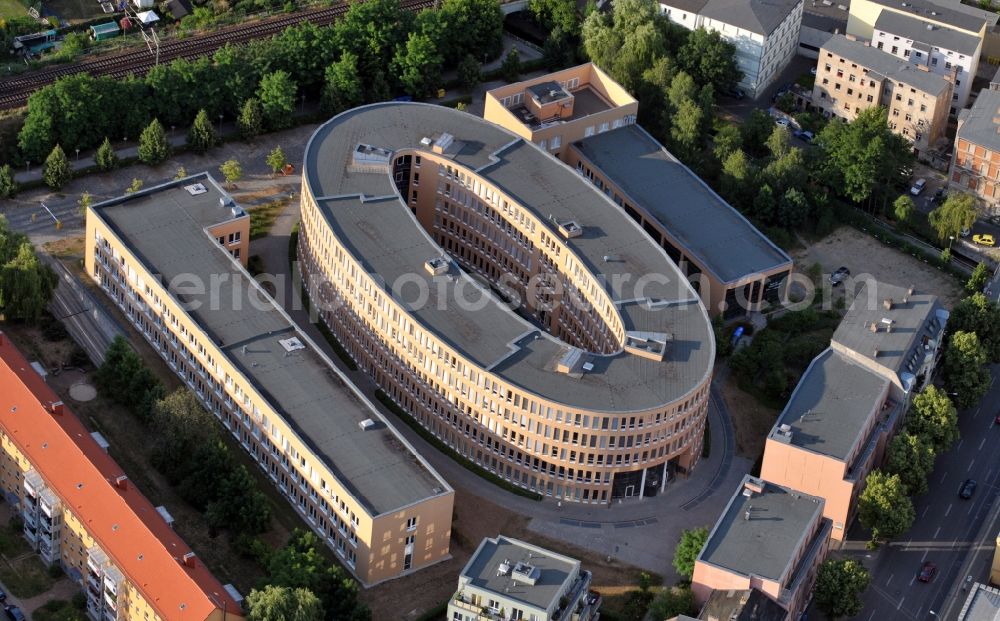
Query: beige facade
[[851, 77], [864, 14], [80, 512], [544, 437], [377, 541], [975, 163], [557, 109]]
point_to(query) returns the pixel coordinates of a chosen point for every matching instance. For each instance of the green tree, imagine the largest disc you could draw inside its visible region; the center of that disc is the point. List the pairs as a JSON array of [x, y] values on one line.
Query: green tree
[[277, 99], [957, 212], [342, 86], [8, 186], [106, 158], [685, 133], [911, 456], [726, 141], [737, 179], [251, 119], [965, 372], [756, 130], [864, 159], [26, 284], [56, 172], [553, 14], [232, 171], [976, 283], [238, 505], [476, 27], [125, 379], [977, 313], [672, 602], [153, 145], [180, 174], [688, 548], [510, 69], [710, 59], [417, 66], [884, 507], [201, 137], [778, 143], [86, 200], [276, 160], [903, 210], [468, 72], [839, 586], [301, 564], [276, 603], [135, 186], [934, 418]]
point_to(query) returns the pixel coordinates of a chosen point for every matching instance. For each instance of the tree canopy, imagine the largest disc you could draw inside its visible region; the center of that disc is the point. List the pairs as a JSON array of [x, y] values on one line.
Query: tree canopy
[[965, 371], [956, 213], [977, 313], [884, 507], [276, 603], [687, 550], [911, 456], [934, 418], [26, 283], [839, 585]]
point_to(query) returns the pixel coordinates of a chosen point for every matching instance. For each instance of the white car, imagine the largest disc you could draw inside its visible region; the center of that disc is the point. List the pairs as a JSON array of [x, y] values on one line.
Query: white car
[[918, 187], [782, 121]]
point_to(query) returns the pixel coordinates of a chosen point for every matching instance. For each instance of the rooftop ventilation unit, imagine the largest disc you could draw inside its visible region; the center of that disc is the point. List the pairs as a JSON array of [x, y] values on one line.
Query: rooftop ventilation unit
[[291, 344], [195, 189], [366, 424], [426, 141], [570, 229], [442, 142], [525, 573], [369, 159], [436, 266], [504, 568], [652, 345], [887, 303], [574, 362], [169, 519]]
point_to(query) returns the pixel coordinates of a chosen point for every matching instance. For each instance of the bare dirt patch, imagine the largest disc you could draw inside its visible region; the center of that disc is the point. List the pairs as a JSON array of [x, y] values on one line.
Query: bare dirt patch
[[475, 518], [863, 254], [752, 420]]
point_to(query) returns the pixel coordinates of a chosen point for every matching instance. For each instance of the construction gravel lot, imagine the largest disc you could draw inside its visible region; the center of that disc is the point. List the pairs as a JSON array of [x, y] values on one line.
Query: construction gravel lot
[[863, 254]]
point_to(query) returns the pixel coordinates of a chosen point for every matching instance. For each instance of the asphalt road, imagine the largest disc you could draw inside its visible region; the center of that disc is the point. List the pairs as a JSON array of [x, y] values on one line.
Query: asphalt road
[[947, 528]]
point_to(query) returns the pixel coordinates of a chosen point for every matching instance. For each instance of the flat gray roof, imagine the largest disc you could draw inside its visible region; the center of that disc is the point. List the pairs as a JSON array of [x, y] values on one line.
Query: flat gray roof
[[759, 16], [917, 30], [383, 234], [915, 322], [744, 605], [165, 227], [830, 407], [556, 571], [709, 228], [978, 126], [767, 543], [690, 6], [982, 604], [951, 13], [886, 64]]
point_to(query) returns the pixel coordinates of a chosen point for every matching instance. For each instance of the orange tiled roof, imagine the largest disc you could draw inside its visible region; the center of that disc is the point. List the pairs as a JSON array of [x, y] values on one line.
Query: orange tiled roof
[[122, 521]]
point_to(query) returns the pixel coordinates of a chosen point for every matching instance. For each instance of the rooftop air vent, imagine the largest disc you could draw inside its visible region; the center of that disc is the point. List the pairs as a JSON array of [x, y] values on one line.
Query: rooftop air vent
[[366, 424], [291, 344], [652, 345], [525, 573], [442, 142], [369, 159], [570, 229], [195, 189], [426, 141], [887, 303], [436, 266], [504, 568]]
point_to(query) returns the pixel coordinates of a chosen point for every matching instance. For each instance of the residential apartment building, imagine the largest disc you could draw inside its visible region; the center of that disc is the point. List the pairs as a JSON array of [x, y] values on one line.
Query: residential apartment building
[[732, 265], [163, 255], [982, 604], [852, 398], [953, 54], [573, 378], [741, 605], [557, 109], [765, 33], [769, 538], [852, 76], [975, 163], [944, 37], [510, 579], [82, 513]]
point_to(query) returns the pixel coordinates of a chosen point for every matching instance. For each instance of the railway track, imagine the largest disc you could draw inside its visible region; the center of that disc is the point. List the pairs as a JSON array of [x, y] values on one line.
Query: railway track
[[14, 91]]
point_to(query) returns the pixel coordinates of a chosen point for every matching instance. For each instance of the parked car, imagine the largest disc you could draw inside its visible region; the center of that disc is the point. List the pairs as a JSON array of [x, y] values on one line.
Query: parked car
[[927, 572], [735, 93], [984, 239], [3, 596], [14, 613], [965, 232], [806, 136], [839, 276], [782, 121], [968, 489], [997, 420], [939, 196], [918, 186]]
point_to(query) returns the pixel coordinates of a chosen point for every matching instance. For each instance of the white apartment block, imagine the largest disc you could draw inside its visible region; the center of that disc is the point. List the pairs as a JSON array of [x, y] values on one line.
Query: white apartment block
[[944, 51], [765, 33]]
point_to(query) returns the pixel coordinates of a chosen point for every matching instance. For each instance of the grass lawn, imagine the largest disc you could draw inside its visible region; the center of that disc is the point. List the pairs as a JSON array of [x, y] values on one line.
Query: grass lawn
[[58, 610], [12, 8], [12, 541], [26, 577], [262, 218]]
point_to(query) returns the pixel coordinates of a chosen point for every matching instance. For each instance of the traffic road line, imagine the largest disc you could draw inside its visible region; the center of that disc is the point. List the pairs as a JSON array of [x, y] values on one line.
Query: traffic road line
[[947, 511], [971, 463], [982, 444], [944, 476], [937, 532]]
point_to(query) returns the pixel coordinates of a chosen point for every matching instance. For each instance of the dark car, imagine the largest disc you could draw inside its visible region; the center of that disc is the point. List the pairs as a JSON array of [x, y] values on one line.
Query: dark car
[[839, 276], [968, 489], [997, 420], [927, 572], [3, 596], [14, 613], [939, 196]]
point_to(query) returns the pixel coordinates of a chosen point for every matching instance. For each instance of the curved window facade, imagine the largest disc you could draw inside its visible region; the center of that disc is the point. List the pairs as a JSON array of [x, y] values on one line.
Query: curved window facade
[[503, 302]]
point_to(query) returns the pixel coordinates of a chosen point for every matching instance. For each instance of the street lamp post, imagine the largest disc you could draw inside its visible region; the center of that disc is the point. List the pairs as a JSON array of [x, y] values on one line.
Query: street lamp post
[[951, 240], [78, 154], [220, 122]]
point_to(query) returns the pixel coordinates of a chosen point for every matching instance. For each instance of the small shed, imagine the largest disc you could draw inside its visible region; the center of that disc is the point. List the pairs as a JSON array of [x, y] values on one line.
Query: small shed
[[148, 18], [100, 32]]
